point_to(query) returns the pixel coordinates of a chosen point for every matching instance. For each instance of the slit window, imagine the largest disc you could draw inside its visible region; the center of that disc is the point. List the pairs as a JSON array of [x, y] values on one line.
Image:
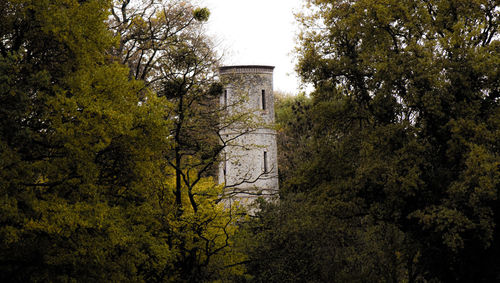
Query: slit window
[[225, 97], [265, 161], [263, 99], [225, 165]]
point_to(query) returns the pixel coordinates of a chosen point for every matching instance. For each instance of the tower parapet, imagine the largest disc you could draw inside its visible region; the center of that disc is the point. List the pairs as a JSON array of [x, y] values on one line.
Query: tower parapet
[[249, 168]]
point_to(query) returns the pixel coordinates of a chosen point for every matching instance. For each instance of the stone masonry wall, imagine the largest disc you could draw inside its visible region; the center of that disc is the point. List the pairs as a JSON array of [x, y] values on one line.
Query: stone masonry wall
[[250, 166]]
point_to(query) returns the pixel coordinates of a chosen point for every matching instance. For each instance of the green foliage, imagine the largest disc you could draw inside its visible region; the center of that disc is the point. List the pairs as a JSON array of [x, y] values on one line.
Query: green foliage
[[294, 122], [321, 240], [165, 47], [389, 172], [86, 191], [75, 151], [201, 14], [402, 154]]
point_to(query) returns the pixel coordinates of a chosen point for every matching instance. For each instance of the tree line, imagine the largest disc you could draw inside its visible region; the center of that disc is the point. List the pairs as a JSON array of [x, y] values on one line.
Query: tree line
[[390, 169]]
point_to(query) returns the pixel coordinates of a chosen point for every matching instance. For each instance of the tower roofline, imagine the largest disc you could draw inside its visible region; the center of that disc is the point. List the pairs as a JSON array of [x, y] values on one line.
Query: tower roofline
[[246, 69]]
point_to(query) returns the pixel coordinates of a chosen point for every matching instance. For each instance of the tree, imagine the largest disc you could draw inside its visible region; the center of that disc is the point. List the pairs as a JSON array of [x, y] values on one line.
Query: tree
[[404, 157], [164, 45], [408, 93], [78, 152], [89, 191], [294, 122]]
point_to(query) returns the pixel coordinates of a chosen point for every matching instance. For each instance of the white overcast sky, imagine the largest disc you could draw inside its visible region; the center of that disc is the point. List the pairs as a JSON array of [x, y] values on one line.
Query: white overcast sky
[[257, 32]]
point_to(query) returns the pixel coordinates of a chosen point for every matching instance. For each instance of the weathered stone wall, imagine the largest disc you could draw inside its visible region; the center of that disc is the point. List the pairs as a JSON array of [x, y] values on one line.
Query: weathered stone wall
[[250, 166]]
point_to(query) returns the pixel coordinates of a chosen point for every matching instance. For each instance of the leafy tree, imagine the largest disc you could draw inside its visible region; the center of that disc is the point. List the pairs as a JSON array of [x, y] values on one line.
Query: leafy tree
[[294, 122], [77, 151], [404, 144], [415, 83], [164, 45], [86, 189]]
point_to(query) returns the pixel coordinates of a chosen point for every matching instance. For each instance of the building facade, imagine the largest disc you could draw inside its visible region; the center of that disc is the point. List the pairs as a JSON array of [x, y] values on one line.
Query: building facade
[[249, 166]]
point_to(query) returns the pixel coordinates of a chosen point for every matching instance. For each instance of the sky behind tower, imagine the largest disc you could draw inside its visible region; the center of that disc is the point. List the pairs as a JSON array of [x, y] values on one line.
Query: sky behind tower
[[257, 32]]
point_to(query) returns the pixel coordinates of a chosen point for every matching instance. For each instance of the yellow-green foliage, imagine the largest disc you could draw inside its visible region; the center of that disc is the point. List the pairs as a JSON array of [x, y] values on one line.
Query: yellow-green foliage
[[84, 193]]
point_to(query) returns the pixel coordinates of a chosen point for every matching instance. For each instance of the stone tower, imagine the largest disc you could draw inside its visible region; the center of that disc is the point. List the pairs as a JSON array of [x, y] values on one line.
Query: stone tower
[[249, 166]]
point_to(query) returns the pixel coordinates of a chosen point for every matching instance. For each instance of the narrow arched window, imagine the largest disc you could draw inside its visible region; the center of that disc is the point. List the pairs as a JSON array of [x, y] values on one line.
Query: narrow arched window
[[265, 162], [263, 99]]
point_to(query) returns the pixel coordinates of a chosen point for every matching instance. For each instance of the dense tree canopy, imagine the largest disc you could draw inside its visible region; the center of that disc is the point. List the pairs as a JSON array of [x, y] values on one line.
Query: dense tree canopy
[[88, 190], [403, 145], [76, 149]]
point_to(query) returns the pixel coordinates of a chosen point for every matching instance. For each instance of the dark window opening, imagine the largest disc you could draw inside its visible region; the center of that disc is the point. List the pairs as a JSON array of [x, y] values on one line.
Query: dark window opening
[[225, 97], [263, 99], [265, 161], [225, 165]]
